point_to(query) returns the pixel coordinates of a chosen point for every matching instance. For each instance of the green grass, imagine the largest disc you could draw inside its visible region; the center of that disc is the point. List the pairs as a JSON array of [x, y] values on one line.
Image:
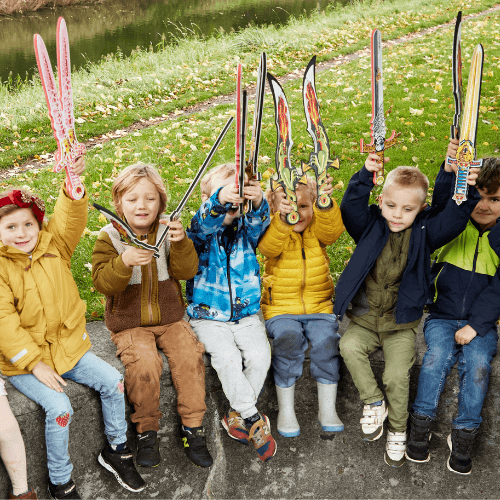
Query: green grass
[[120, 91], [418, 103]]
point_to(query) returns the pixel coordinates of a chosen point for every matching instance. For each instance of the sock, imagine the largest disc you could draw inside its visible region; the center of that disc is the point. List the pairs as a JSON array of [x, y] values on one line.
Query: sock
[[251, 420], [377, 403], [117, 447]]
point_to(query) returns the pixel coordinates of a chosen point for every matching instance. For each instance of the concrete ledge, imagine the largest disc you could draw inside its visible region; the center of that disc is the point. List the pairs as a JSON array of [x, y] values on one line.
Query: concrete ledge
[[355, 466]]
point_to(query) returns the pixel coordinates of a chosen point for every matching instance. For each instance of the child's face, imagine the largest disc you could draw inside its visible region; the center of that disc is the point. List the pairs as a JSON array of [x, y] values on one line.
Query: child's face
[[20, 230], [400, 206], [487, 211], [305, 209], [140, 206]]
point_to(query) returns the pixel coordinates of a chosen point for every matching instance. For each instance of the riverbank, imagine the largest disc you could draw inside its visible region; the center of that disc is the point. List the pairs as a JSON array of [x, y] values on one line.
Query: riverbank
[[9, 7], [120, 91], [127, 125]]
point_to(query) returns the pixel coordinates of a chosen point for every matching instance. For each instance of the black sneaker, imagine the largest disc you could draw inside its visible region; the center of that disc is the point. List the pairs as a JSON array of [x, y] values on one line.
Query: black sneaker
[[121, 464], [460, 442], [417, 446], [148, 449], [67, 490], [195, 446]]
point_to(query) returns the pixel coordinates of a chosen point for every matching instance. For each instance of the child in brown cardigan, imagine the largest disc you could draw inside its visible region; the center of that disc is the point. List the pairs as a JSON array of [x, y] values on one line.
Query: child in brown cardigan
[[144, 312]]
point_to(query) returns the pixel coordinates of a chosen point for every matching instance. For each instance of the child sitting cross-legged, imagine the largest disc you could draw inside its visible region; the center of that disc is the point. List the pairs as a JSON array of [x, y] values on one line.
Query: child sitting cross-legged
[[43, 339], [224, 299], [145, 310], [297, 301], [387, 283], [461, 326]]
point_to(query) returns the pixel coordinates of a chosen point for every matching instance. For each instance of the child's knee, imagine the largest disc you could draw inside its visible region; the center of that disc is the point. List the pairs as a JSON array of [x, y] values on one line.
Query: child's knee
[[60, 411]]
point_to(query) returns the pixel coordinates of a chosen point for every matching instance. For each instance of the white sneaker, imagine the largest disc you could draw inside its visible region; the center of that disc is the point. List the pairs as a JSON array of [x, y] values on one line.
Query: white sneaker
[[372, 422], [395, 449]]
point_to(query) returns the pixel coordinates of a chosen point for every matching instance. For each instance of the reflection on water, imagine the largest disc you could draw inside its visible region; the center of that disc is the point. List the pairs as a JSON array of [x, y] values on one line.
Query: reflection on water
[[100, 29]]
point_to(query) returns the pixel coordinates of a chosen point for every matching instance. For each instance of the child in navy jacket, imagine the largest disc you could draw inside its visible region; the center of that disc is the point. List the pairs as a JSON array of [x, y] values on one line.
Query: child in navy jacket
[[387, 282]]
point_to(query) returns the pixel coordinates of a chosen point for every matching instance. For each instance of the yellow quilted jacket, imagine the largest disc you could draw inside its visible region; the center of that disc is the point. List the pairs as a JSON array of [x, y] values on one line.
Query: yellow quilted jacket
[[297, 276], [42, 317]]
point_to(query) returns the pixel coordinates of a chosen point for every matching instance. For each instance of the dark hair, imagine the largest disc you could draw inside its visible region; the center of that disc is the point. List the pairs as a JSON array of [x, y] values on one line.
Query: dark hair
[[489, 175]]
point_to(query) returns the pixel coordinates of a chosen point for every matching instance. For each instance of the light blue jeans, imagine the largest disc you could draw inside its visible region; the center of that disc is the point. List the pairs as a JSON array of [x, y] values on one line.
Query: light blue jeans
[[93, 372], [291, 333], [474, 368]]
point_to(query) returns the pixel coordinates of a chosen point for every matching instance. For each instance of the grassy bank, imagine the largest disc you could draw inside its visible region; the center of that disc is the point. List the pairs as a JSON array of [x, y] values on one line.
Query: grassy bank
[[117, 92], [418, 102]]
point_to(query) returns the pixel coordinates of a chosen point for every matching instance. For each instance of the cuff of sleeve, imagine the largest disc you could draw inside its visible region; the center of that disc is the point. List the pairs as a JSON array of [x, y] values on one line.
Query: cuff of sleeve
[[121, 268], [33, 363], [181, 246]]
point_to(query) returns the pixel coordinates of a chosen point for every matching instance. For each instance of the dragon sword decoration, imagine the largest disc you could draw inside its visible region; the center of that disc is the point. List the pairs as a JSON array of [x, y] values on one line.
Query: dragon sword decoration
[[60, 106], [287, 176], [466, 152], [319, 159], [456, 69], [377, 123]]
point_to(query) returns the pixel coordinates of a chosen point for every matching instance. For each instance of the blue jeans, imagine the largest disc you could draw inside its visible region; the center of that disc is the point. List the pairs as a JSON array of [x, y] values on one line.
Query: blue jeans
[[93, 372], [474, 368], [291, 333]]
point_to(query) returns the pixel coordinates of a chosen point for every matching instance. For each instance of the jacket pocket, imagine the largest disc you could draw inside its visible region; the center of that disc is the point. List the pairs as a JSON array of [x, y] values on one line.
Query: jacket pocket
[[72, 334], [125, 349]]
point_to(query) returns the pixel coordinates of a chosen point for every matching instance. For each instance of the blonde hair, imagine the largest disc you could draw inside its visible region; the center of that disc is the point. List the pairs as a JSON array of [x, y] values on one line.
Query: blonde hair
[[273, 199], [12, 207], [408, 177], [224, 170], [128, 179]]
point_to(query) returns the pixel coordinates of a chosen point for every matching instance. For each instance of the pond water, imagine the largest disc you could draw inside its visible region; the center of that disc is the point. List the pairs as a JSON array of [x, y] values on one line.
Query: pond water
[[99, 29]]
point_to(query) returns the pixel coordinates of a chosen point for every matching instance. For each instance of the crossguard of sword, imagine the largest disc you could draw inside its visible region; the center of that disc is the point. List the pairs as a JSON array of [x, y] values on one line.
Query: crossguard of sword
[[379, 177]]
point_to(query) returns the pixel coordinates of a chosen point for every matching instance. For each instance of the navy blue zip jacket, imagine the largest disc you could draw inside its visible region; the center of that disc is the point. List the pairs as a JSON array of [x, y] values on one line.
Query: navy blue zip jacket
[[433, 227]]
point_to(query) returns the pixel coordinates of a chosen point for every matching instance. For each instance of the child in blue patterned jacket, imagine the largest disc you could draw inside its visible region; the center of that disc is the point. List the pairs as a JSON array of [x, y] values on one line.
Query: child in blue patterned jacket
[[224, 299]]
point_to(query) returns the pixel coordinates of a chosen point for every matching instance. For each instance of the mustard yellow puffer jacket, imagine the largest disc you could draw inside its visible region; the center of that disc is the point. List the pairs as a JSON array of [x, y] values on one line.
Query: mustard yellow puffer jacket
[[297, 276], [42, 317]]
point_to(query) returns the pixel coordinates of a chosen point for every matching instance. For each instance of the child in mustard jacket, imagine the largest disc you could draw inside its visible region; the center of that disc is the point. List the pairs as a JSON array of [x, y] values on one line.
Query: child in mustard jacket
[[43, 339], [297, 302]]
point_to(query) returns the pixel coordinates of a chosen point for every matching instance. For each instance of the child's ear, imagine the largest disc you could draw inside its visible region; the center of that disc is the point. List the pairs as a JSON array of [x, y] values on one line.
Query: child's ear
[[380, 201], [204, 197], [423, 206]]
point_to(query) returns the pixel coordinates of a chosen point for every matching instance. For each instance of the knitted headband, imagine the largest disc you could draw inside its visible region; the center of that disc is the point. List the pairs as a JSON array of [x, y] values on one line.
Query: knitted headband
[[24, 200]]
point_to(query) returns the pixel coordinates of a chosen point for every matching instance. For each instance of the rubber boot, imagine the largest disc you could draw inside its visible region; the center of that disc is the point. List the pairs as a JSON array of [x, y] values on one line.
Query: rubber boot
[[288, 424], [327, 415]]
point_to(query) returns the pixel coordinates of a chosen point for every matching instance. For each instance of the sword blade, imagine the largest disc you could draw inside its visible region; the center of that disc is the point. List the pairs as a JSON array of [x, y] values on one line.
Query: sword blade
[[238, 124], [310, 99], [468, 129], [456, 70], [242, 166], [258, 113], [378, 127]]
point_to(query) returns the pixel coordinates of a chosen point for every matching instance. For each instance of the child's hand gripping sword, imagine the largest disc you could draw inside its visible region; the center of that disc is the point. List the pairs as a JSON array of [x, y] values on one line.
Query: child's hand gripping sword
[[319, 159], [60, 107], [286, 175], [466, 152], [251, 168], [377, 123], [126, 233]]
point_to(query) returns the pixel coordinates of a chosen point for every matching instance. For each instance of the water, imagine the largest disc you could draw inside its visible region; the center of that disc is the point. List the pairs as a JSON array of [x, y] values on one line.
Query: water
[[123, 25]]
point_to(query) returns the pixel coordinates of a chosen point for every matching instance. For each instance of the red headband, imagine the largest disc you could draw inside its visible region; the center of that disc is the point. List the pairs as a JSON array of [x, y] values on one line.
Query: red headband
[[25, 200]]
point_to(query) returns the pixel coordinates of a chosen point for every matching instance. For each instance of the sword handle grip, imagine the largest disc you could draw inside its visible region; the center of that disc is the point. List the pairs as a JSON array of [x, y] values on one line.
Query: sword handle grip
[[379, 177], [74, 185]]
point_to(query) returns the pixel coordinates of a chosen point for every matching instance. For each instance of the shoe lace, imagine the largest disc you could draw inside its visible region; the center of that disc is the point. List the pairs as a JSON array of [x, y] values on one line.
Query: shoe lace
[[419, 432], [463, 444], [258, 433], [196, 440]]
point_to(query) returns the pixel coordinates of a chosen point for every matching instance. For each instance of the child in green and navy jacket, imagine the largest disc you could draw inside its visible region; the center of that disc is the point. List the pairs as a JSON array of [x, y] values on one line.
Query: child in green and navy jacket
[[461, 326]]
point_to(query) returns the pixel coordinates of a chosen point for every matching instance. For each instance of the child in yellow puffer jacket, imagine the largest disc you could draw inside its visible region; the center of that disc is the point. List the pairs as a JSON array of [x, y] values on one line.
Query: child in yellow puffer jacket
[[297, 301]]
